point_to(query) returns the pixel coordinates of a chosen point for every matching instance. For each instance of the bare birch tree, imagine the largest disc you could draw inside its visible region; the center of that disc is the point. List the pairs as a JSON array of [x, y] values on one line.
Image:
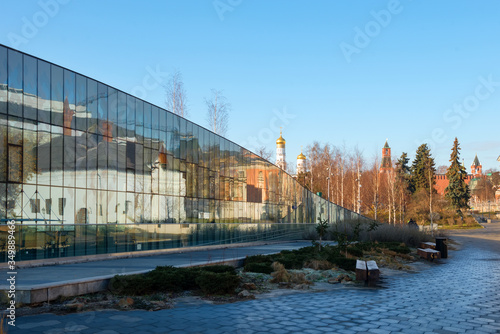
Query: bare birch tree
[[176, 100], [264, 153], [218, 109]]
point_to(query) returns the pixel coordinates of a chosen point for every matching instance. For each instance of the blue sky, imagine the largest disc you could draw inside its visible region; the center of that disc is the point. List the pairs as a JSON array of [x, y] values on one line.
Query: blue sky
[[349, 73]]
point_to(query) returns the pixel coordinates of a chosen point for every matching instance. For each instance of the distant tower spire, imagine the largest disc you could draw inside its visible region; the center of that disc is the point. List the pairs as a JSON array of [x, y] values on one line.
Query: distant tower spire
[[386, 164], [476, 168], [280, 151]]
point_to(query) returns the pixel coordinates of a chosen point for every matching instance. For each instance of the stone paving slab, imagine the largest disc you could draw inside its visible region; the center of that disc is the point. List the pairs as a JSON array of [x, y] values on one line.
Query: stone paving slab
[[460, 295]]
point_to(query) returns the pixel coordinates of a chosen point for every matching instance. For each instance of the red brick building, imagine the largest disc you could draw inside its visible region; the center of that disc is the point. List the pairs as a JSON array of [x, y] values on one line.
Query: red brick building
[[442, 181]]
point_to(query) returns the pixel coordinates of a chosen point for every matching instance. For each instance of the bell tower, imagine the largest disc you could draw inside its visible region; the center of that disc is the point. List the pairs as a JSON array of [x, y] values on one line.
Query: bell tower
[[280, 152], [386, 164], [301, 163], [476, 168]]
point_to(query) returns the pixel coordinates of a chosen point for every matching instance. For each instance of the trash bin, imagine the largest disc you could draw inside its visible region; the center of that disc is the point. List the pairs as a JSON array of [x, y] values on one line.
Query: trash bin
[[442, 246]]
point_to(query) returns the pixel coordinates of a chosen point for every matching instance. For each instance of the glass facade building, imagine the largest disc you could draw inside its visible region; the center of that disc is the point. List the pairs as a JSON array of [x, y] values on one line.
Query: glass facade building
[[87, 169]]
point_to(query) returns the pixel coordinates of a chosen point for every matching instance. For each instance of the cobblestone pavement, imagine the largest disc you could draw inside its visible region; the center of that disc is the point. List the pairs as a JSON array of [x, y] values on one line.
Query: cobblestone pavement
[[458, 295]]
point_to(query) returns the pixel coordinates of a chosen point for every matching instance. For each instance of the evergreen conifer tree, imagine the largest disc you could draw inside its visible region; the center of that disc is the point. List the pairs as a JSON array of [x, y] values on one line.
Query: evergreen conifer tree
[[423, 170], [403, 174], [457, 191]]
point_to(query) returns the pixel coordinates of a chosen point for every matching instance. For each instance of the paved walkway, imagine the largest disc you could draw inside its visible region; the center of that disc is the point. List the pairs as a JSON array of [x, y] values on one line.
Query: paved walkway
[[30, 277], [460, 295]]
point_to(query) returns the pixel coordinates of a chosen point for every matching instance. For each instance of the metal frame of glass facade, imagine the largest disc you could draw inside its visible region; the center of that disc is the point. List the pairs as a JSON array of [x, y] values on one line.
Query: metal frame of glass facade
[[87, 169]]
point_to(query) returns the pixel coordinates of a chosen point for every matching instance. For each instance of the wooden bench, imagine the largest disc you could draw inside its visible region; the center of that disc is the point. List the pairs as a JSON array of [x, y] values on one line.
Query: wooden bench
[[428, 254], [367, 271], [430, 245], [373, 271], [361, 271]]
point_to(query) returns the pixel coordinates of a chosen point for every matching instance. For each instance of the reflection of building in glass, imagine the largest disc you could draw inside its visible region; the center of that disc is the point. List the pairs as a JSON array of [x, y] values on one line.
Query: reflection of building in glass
[[88, 169]]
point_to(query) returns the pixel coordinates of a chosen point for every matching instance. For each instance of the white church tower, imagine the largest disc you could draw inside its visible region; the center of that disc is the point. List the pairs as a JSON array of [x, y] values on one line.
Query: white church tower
[[301, 163], [280, 152]]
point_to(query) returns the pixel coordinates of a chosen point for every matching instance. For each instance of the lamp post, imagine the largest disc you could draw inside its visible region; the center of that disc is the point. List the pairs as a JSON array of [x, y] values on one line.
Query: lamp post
[[328, 178]]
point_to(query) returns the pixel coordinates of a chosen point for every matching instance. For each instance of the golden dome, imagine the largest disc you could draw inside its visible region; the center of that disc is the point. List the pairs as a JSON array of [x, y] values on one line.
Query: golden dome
[[301, 156], [280, 140]]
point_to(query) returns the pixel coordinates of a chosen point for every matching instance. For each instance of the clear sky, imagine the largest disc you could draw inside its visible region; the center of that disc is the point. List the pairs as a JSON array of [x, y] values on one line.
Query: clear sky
[[349, 73]]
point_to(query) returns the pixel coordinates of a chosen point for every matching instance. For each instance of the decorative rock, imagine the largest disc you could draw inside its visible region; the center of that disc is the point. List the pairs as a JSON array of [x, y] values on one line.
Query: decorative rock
[[125, 302], [245, 294], [249, 286], [301, 287], [75, 306], [333, 281]]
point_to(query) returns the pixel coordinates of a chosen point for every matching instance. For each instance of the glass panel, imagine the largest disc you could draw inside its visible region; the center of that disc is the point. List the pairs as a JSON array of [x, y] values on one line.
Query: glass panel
[[69, 159], [122, 165], [81, 160], [15, 163], [102, 107], [29, 152], [92, 206], [3, 80], [69, 101], [43, 91], [57, 98], [15, 80], [69, 205], [147, 170], [3, 150], [130, 116], [112, 105], [139, 120], [56, 161], [122, 115], [147, 125], [112, 169], [30, 87], [81, 103], [102, 163], [92, 105], [120, 208], [139, 168], [183, 138]]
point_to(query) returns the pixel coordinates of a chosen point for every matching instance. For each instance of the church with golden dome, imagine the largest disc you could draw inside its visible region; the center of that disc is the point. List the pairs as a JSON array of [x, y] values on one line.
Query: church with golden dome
[[281, 156], [301, 163], [280, 152]]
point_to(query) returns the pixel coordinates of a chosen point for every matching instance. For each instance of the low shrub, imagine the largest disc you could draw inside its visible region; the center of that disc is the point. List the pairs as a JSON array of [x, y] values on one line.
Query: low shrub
[[133, 285], [263, 268], [344, 263], [172, 279], [220, 268], [217, 283], [318, 264], [166, 279], [258, 259], [355, 251], [400, 248]]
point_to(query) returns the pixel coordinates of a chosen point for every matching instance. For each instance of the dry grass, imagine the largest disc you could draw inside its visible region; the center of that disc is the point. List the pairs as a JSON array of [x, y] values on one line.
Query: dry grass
[[318, 265], [298, 278], [385, 233], [3, 330], [280, 274]]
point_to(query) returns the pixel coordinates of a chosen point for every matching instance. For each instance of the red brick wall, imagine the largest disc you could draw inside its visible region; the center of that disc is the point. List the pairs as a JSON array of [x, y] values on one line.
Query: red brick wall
[[442, 182]]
